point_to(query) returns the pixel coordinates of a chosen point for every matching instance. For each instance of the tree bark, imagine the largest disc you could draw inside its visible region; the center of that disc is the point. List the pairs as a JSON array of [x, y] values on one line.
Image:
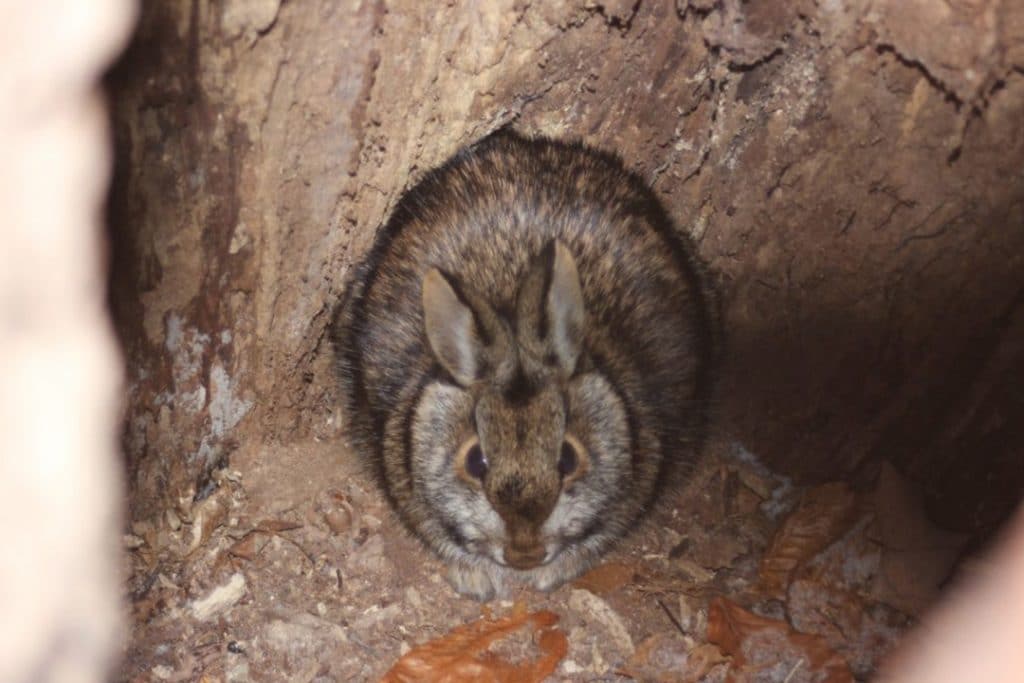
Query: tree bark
[[852, 172]]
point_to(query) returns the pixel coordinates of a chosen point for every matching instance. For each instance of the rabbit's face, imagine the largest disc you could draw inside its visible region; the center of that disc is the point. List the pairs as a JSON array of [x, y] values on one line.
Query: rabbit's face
[[519, 479], [519, 457]]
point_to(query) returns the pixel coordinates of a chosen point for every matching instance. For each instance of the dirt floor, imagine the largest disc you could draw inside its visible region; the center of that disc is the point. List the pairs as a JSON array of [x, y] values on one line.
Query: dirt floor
[[293, 568]]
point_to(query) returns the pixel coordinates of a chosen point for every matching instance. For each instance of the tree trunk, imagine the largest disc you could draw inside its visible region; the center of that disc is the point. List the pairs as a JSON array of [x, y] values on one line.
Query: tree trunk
[[852, 172]]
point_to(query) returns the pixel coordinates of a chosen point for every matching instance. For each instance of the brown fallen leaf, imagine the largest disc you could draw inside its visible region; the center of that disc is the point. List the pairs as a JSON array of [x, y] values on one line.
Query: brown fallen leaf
[[863, 632], [758, 644], [668, 658], [824, 514], [274, 526], [825, 610], [917, 556], [747, 501], [207, 516], [761, 485], [249, 546], [607, 578], [462, 655]]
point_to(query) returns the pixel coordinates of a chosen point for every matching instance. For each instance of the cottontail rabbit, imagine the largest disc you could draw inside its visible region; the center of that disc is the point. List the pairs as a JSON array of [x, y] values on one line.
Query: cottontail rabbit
[[525, 355]]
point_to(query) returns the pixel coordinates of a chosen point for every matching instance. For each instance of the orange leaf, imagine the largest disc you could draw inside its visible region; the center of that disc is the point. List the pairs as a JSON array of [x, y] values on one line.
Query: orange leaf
[[462, 655], [667, 658], [757, 643]]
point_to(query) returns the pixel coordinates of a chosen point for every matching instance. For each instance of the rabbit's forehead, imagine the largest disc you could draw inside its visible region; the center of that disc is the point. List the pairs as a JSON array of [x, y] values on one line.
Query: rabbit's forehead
[[503, 423]]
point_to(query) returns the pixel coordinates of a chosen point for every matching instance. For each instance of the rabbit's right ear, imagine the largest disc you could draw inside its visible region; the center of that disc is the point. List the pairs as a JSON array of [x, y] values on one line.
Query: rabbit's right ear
[[451, 329]]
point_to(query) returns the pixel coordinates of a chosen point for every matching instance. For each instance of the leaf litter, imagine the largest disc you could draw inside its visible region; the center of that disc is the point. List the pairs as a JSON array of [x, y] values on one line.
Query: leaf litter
[[744, 576], [464, 655]]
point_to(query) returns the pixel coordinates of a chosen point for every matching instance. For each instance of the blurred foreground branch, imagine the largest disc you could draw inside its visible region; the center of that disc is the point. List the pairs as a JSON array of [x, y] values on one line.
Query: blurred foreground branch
[[59, 368]]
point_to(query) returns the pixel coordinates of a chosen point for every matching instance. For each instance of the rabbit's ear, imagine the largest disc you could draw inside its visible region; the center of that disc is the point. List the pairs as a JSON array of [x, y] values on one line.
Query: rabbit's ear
[[549, 309], [565, 309], [452, 329]]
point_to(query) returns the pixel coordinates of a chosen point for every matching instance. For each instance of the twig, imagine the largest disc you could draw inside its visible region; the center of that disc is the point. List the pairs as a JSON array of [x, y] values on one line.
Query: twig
[[671, 616], [792, 671]]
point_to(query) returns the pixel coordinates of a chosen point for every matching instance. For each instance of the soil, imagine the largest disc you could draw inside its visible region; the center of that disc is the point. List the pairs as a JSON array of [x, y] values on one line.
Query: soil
[[302, 573]]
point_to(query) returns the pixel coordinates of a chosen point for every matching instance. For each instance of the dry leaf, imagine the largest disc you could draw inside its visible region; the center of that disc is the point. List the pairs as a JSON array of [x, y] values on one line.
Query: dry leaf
[[606, 579], [710, 549], [825, 610], [746, 502], [462, 655], [207, 516], [249, 547], [696, 573], [274, 526], [863, 632], [668, 658], [916, 555], [758, 644], [596, 611], [762, 486], [824, 514], [722, 552]]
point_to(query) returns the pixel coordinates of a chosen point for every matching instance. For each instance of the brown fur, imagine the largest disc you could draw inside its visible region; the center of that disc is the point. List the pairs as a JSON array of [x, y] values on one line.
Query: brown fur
[[526, 293]]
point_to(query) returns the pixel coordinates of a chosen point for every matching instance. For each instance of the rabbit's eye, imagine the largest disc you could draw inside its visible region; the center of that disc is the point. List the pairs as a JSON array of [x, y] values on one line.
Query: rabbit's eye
[[568, 461], [476, 462]]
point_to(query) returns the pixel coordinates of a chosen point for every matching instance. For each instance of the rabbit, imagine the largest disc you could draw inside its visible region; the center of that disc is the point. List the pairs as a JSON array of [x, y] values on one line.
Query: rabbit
[[525, 355]]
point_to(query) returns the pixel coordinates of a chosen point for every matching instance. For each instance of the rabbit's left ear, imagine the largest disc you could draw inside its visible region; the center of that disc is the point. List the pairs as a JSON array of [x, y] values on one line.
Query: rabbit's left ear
[[549, 309]]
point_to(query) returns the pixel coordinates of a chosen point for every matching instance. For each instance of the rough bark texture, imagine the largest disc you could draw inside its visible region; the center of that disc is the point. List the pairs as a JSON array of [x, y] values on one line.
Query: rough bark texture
[[851, 169], [59, 393]]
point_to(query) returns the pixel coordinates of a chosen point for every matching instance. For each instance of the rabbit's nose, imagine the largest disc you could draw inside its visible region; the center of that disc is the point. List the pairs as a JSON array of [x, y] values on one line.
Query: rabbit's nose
[[524, 558], [524, 547]]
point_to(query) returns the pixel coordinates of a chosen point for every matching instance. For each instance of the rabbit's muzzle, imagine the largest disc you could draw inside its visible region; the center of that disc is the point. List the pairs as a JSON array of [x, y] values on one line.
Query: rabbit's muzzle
[[524, 547], [524, 558]]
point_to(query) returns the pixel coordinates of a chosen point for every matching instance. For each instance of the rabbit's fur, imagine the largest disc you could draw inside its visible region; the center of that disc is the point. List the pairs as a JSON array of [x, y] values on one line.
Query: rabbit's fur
[[525, 355]]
